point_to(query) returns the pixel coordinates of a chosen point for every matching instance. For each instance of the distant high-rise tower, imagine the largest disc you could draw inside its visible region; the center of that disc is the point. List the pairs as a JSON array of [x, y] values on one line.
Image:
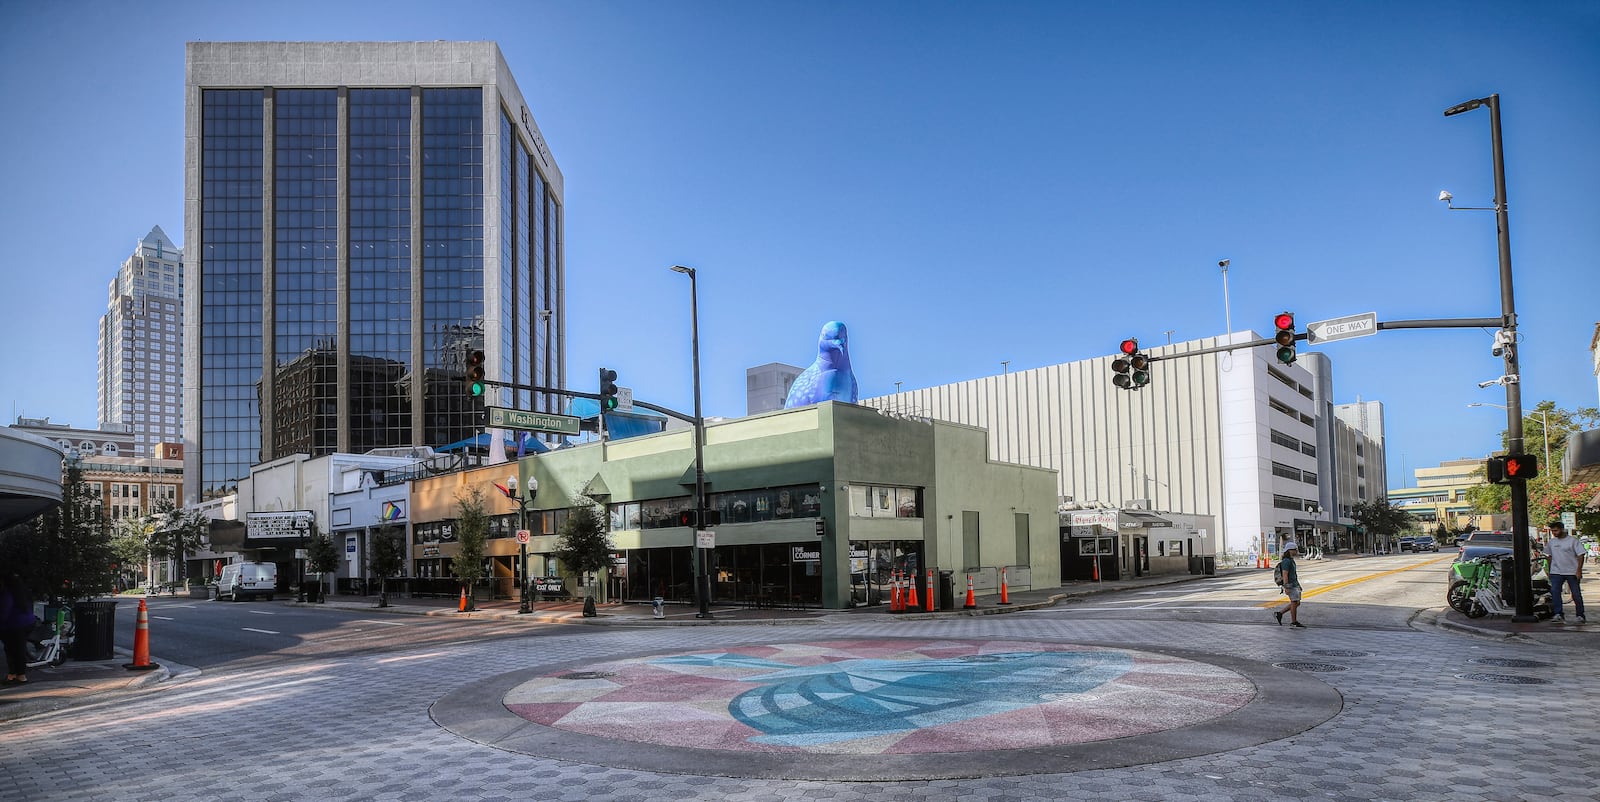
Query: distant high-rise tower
[[767, 386], [141, 345], [360, 217]]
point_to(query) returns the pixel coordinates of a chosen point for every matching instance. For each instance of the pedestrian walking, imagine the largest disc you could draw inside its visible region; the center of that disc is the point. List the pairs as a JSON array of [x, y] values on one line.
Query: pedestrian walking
[[1566, 568], [16, 621], [1287, 575]]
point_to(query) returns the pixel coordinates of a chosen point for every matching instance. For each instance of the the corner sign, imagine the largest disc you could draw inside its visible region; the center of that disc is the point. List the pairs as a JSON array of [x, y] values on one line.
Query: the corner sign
[[503, 418], [1342, 328]]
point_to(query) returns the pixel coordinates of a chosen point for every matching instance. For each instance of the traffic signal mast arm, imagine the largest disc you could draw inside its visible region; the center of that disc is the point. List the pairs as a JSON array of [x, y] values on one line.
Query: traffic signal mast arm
[[1443, 323], [533, 388]]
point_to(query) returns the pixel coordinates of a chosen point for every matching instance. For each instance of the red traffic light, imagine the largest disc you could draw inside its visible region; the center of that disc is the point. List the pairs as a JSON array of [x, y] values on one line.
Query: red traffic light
[[1284, 320], [1129, 345]]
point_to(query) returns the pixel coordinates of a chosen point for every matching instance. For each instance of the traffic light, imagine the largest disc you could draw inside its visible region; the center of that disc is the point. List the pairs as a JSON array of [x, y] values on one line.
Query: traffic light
[[1521, 467], [608, 389], [1131, 371], [1511, 468], [695, 520], [476, 385], [688, 518], [1284, 323]]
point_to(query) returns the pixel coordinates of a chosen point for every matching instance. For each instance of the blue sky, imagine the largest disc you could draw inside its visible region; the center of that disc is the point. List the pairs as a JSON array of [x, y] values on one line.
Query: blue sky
[[962, 183]]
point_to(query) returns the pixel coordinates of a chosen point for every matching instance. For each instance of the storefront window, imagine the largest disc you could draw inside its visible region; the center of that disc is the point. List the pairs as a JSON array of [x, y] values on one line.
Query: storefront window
[[767, 504], [880, 501]]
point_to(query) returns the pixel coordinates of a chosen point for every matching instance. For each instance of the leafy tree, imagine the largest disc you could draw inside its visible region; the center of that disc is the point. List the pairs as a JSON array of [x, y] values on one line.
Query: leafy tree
[[584, 546], [472, 528], [1381, 518], [387, 557], [176, 533], [130, 546], [64, 555], [1548, 496], [323, 557]]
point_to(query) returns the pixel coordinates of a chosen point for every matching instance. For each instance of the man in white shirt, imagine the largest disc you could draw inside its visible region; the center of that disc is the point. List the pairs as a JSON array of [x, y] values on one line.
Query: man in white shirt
[[1566, 568]]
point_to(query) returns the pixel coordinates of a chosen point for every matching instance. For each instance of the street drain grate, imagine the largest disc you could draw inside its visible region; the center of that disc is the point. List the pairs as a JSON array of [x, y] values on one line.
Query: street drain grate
[[1313, 667], [1340, 653], [1503, 679], [1509, 662], [587, 675]]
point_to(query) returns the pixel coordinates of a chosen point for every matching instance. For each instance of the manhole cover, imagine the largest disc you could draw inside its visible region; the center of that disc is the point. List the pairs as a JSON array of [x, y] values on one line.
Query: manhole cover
[[1340, 653], [1314, 667], [587, 675], [1509, 662], [1503, 679]]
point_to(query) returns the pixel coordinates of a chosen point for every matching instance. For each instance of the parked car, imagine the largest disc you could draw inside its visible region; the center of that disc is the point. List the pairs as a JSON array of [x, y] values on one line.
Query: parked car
[[1407, 544], [1485, 537], [247, 580], [1425, 543]]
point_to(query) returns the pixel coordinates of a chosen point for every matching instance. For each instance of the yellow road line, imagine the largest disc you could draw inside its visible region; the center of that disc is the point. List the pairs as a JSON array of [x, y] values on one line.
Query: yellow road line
[[1348, 582]]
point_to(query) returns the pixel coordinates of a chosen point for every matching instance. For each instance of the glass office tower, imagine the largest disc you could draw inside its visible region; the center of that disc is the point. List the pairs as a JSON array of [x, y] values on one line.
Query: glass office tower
[[359, 218]]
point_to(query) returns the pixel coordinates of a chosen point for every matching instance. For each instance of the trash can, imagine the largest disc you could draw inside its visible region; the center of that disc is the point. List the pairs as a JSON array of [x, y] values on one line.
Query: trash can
[[1210, 562], [96, 629], [947, 590], [312, 589], [1196, 564], [1508, 586]]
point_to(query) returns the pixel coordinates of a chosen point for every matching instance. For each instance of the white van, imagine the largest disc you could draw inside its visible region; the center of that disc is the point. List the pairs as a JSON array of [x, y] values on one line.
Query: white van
[[247, 580]]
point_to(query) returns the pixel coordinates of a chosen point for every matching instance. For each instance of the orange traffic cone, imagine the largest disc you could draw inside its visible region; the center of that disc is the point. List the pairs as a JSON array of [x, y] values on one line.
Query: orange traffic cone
[[929, 600], [972, 600], [141, 642], [1005, 595], [463, 607], [1097, 569], [910, 599], [894, 594]]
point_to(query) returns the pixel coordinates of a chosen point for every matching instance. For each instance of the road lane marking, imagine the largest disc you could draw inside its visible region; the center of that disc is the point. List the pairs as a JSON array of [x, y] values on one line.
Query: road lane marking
[[1357, 580], [162, 617], [379, 623], [262, 631]]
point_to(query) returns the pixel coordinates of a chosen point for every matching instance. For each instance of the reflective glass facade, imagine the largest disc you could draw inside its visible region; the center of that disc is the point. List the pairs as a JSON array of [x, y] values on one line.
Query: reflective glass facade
[[452, 258], [380, 268], [305, 256], [230, 301]]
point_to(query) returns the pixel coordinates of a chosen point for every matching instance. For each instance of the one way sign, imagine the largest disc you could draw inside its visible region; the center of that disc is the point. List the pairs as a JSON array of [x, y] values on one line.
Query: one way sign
[[1342, 328]]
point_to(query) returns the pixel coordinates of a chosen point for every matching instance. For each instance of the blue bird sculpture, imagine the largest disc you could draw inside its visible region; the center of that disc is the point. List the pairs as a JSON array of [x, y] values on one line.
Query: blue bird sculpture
[[829, 378]]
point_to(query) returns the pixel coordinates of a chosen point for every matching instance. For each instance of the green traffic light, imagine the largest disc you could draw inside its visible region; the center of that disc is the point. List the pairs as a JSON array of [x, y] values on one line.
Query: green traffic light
[[477, 389], [1286, 355]]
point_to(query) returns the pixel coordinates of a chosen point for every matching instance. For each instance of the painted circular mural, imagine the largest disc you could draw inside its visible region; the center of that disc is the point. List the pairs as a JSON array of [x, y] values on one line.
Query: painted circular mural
[[882, 696]]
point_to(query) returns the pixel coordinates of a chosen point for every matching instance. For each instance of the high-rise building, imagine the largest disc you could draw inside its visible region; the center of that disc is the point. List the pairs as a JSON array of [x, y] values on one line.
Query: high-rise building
[[767, 386], [360, 217], [141, 345]]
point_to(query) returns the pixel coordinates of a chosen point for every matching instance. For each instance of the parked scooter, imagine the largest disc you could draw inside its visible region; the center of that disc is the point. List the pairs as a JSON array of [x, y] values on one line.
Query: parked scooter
[[1476, 590]]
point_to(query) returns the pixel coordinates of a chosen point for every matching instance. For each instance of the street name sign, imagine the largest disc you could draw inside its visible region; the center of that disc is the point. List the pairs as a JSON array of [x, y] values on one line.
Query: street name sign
[[1342, 328], [503, 418]]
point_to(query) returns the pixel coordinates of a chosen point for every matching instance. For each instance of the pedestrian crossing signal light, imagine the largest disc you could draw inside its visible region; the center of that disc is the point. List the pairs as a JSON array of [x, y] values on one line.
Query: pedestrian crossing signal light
[[1511, 468], [1285, 337], [1130, 371], [476, 384], [688, 518], [608, 389]]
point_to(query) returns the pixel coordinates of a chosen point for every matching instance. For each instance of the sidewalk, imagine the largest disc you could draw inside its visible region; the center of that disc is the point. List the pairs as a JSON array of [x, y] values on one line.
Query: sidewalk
[[49, 688]]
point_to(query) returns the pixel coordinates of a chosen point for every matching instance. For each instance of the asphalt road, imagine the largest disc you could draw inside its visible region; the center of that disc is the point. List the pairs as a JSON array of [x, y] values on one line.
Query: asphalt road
[[222, 635]]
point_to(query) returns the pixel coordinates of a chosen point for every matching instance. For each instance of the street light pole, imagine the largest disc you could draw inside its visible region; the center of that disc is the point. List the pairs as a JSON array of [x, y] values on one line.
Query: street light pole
[[704, 590], [1544, 418], [1508, 312], [526, 605]]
